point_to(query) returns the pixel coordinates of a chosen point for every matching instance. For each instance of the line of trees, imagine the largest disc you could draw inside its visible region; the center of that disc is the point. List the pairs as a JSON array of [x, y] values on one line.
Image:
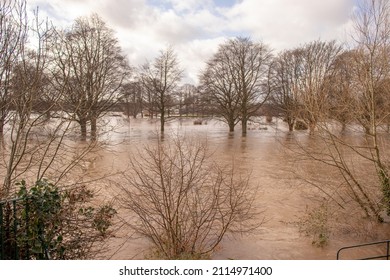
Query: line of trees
[[335, 91], [300, 82], [321, 81], [82, 72]]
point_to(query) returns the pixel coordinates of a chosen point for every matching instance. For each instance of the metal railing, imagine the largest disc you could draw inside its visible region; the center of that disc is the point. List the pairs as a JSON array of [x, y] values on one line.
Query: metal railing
[[386, 255], [14, 225]]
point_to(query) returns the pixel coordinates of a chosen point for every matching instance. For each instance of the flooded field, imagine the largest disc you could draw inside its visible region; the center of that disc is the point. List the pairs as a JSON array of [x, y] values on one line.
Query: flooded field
[[300, 221], [282, 194]]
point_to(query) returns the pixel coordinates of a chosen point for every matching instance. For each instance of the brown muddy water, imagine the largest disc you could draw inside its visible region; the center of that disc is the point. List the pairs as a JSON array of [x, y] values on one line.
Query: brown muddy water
[[285, 198]]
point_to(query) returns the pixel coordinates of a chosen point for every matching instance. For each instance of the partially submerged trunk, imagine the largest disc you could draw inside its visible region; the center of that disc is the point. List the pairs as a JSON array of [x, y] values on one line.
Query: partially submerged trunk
[[83, 129], [231, 125], [162, 120], [1, 128], [93, 128]]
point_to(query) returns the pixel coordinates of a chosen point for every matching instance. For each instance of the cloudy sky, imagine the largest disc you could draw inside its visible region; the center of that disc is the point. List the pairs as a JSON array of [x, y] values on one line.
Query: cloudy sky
[[195, 27]]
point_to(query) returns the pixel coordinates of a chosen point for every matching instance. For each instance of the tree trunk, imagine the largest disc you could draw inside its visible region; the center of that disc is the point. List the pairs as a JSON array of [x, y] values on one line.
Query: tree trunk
[[231, 126], [93, 129], [135, 110], [290, 125], [1, 128], [290, 121], [162, 120], [83, 128], [128, 110], [231, 123], [244, 123]]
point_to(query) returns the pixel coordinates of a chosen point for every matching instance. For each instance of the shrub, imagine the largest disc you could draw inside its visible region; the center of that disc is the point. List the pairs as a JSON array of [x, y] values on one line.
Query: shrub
[[183, 203], [54, 224], [315, 223]]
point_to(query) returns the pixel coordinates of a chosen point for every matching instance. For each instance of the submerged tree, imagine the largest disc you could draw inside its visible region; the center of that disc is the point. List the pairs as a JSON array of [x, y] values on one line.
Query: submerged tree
[[250, 65], [301, 82], [342, 88], [217, 81], [183, 203], [187, 97], [90, 71], [236, 78], [317, 65], [160, 80], [132, 98], [285, 75]]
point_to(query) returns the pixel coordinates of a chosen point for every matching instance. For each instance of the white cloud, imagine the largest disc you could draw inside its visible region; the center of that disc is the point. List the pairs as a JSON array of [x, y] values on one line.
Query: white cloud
[[287, 23], [189, 5], [196, 27], [193, 56]]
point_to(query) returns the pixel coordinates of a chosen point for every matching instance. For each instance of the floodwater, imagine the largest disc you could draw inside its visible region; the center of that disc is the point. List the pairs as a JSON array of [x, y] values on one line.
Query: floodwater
[[283, 196]]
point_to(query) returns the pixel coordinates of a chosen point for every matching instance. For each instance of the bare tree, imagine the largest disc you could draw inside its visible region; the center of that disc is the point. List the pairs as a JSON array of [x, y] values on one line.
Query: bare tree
[[285, 75], [250, 66], [26, 81], [317, 60], [183, 203], [217, 81], [186, 97], [33, 149], [372, 24], [341, 87], [149, 100], [346, 88], [301, 81], [132, 98], [383, 103], [160, 80], [235, 77], [13, 36], [92, 69], [361, 162]]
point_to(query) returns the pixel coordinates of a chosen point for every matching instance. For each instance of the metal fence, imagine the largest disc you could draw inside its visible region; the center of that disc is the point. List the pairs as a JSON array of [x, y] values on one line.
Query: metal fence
[[15, 242], [385, 255]]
